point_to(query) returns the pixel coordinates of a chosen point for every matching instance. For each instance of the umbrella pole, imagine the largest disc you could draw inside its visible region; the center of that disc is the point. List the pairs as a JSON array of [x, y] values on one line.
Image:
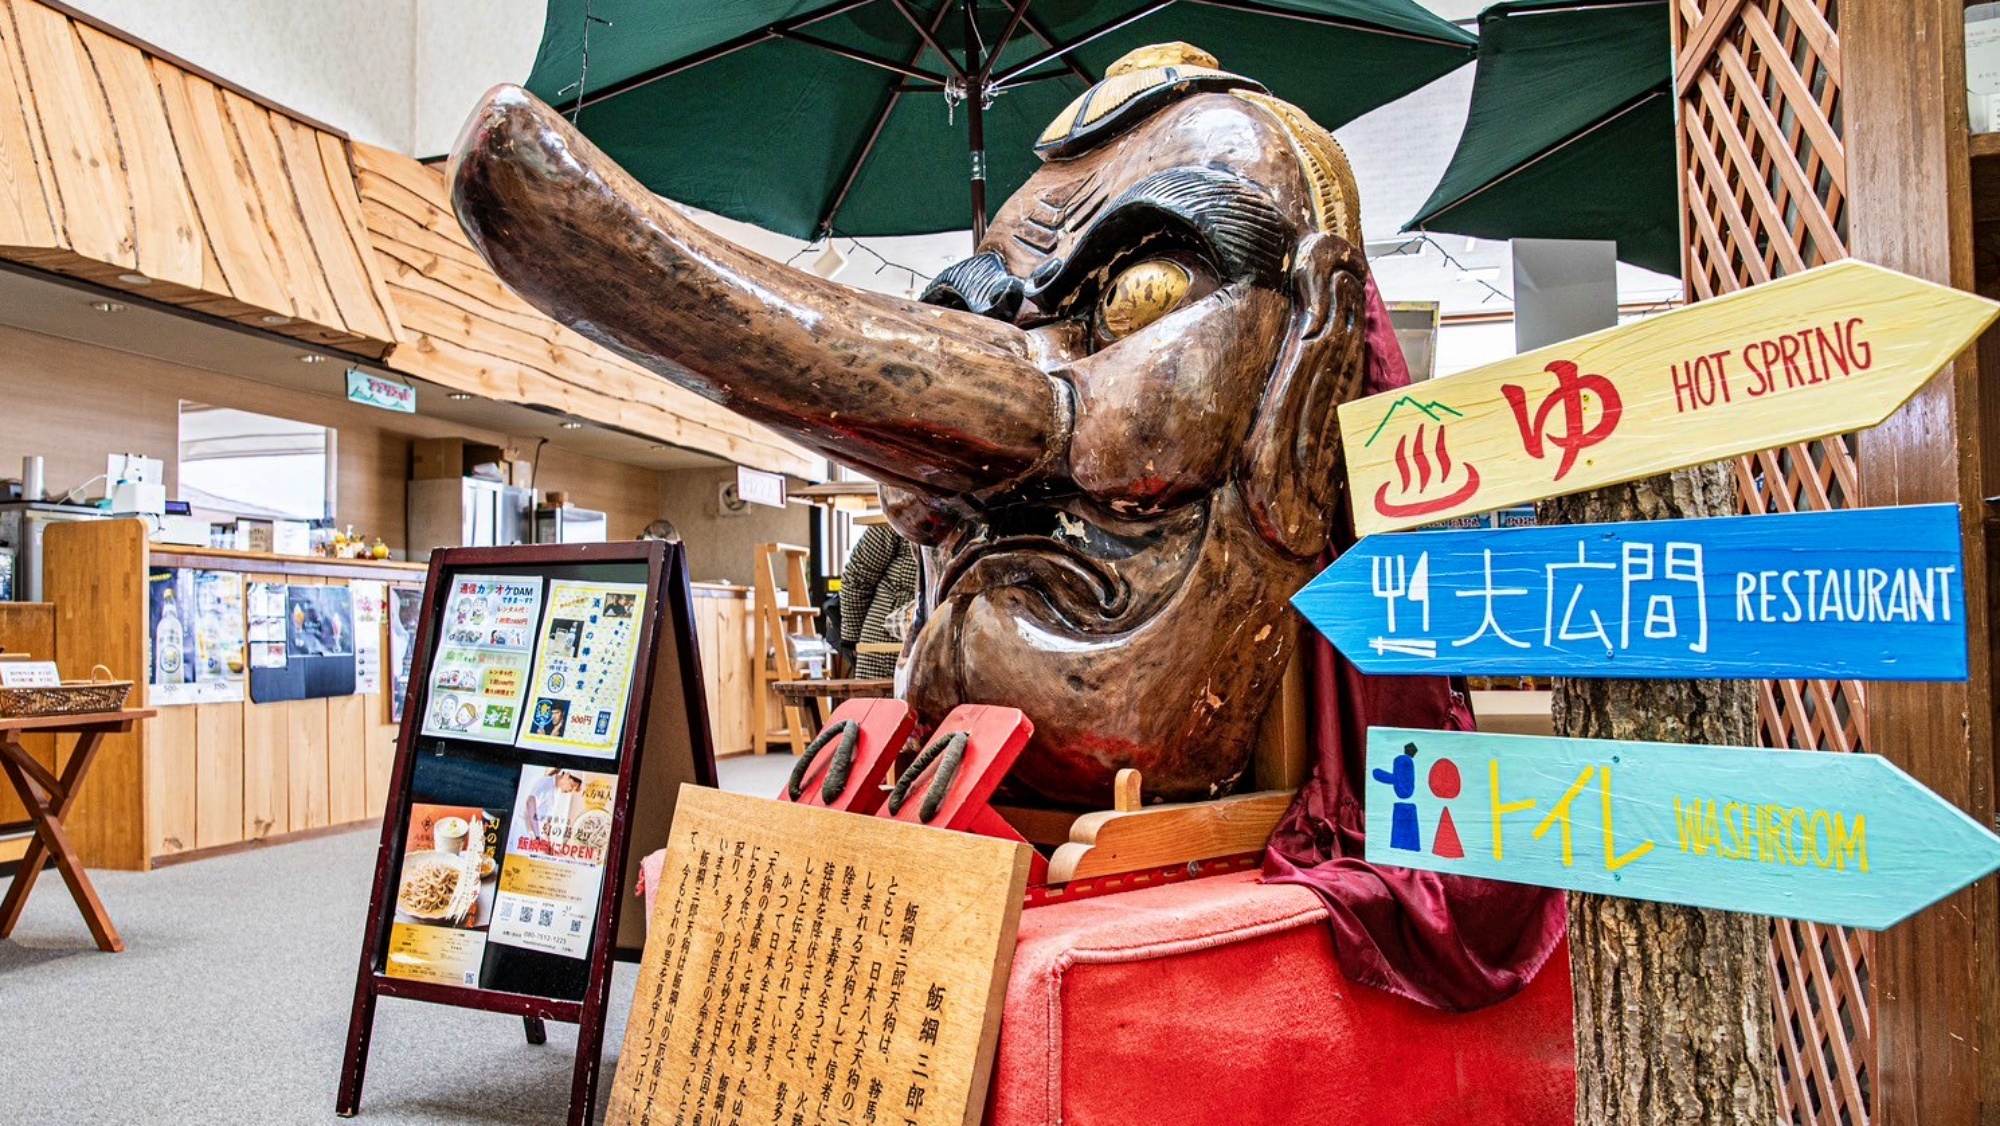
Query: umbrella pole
[[975, 119]]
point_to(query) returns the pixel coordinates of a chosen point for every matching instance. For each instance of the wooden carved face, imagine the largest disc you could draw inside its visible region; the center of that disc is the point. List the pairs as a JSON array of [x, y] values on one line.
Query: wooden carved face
[[1112, 428]]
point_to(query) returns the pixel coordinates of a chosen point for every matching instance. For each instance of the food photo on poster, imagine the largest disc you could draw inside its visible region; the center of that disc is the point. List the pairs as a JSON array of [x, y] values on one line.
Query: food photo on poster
[[554, 862], [479, 674]]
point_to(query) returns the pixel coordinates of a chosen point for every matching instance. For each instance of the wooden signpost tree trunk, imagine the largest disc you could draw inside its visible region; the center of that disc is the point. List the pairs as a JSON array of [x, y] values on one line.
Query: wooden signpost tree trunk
[[1673, 1004]]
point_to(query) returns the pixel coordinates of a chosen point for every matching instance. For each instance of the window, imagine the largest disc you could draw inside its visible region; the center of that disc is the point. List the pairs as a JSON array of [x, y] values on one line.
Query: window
[[235, 463]]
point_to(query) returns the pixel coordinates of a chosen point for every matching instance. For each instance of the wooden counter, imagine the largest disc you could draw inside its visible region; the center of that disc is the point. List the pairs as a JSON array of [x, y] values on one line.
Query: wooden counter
[[722, 633], [202, 777]]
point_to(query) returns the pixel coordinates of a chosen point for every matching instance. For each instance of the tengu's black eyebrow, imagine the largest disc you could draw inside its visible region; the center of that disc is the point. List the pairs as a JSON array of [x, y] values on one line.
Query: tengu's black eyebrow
[[1231, 220]]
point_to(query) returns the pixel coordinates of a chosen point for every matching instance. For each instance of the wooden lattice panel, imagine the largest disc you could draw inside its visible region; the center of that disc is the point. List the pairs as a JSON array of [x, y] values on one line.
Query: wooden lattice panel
[[1764, 196]]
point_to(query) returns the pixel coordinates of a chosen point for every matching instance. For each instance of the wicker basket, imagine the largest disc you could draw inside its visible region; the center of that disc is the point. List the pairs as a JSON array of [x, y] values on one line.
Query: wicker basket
[[73, 697]]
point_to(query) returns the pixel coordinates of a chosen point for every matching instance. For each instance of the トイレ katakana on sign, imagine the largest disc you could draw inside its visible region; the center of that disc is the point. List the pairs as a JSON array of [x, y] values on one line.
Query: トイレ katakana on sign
[[1832, 838]]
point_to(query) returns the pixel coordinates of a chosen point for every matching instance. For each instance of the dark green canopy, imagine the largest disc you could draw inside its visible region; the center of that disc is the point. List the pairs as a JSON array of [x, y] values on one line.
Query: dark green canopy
[[1571, 132], [804, 116]]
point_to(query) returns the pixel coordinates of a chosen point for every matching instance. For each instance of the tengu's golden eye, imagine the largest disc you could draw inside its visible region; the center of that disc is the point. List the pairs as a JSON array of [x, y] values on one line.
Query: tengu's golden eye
[[1140, 295]]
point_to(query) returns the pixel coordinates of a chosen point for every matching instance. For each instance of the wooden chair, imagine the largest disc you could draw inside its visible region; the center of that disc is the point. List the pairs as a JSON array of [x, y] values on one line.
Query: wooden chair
[[779, 618]]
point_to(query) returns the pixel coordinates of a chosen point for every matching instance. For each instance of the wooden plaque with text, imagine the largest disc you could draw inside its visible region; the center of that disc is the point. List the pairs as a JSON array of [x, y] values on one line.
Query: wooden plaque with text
[[812, 966]]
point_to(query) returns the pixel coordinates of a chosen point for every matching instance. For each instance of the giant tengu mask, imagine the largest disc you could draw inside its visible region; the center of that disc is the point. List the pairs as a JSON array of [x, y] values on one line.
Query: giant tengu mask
[[1112, 428]]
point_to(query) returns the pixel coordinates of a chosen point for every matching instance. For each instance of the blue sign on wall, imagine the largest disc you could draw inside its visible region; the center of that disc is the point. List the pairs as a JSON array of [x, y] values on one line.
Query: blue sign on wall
[[1833, 838], [1867, 594]]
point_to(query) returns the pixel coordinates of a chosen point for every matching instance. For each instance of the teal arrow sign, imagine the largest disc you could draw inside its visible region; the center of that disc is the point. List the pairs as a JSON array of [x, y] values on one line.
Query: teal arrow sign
[[1831, 838]]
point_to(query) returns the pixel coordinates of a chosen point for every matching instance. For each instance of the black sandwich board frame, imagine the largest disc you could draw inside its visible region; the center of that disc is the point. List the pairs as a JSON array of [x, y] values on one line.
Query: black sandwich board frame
[[665, 742]]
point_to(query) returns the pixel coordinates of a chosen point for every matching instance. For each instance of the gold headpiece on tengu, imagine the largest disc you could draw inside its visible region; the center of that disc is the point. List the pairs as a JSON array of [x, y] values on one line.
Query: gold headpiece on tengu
[[1150, 78]]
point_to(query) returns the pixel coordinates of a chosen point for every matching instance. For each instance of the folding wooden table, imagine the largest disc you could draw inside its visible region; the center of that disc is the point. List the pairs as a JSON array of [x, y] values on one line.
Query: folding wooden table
[[48, 798]]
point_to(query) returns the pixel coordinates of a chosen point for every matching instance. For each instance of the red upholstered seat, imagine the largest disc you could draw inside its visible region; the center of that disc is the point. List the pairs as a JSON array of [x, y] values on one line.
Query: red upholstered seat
[[1218, 1002]]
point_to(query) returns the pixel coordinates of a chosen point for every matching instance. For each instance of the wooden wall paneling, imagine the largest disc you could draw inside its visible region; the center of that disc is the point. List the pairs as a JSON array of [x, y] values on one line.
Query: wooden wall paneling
[[195, 118], [77, 132], [26, 188], [115, 159], [355, 291], [267, 784], [1909, 183], [722, 629], [218, 788], [463, 329], [30, 628], [1764, 170], [172, 772], [347, 759], [95, 575], [267, 191], [380, 757], [306, 756], [168, 246]]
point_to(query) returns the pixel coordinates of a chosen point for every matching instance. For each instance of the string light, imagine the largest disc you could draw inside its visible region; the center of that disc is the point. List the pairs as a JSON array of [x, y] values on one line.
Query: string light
[[582, 83]]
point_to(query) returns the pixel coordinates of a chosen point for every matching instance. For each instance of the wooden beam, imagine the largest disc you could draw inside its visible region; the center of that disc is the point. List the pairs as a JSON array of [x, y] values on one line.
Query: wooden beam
[[1909, 192], [121, 167]]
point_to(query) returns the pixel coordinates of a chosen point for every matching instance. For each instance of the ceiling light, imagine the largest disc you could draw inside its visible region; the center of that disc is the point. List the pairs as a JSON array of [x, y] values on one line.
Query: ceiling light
[[275, 319], [107, 306], [135, 279], [312, 358], [459, 396], [572, 426]]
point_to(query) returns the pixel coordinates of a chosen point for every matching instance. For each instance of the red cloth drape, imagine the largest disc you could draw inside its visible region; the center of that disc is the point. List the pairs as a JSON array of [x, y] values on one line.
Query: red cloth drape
[[1450, 942]]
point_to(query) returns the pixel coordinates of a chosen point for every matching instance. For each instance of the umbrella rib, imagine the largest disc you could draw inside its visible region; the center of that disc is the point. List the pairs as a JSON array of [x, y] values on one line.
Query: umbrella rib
[[929, 37], [1088, 37], [1333, 21], [1041, 32], [862, 56], [1601, 123], [1014, 19], [853, 172], [726, 47]]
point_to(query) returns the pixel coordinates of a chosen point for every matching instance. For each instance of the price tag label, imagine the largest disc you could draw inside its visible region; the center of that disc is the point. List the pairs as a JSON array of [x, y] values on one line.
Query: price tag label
[[29, 674]]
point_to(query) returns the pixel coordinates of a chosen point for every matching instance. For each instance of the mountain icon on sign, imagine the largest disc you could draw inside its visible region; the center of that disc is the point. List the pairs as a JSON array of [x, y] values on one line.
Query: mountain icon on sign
[[1433, 410]]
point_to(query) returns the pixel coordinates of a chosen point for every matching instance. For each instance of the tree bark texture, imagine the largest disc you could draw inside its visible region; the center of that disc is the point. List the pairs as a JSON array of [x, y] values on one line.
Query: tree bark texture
[[1673, 1004]]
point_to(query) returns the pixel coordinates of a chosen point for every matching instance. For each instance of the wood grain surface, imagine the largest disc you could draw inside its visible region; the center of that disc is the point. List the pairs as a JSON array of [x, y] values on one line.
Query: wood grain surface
[[115, 161], [1823, 352], [809, 962]]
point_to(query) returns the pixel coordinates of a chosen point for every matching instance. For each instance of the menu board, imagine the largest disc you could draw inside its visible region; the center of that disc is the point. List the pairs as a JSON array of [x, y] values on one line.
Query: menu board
[[555, 860], [511, 846], [480, 674], [583, 668]]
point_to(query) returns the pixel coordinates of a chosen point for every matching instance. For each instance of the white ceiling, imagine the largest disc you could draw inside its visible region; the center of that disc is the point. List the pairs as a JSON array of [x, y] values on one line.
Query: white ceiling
[[403, 73]]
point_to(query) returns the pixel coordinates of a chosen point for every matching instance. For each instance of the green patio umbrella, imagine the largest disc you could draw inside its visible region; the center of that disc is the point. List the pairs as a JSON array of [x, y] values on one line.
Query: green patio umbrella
[[899, 117], [1571, 131]]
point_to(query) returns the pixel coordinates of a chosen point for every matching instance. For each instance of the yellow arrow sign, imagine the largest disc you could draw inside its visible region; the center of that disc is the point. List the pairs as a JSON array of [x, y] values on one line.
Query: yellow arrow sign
[[1831, 350]]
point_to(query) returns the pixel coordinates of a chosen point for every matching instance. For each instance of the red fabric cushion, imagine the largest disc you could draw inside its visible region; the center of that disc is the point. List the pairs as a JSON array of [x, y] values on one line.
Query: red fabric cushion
[[1219, 1001]]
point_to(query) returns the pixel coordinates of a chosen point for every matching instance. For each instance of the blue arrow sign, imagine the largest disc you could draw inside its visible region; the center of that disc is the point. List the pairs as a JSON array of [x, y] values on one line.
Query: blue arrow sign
[[1866, 594], [1827, 837]]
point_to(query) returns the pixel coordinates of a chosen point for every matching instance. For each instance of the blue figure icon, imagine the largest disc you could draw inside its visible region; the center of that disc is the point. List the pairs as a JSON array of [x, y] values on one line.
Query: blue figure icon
[[1402, 777]]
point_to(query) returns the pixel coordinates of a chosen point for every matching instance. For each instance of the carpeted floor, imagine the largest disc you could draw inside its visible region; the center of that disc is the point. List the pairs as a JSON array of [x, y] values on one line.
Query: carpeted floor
[[230, 1003]]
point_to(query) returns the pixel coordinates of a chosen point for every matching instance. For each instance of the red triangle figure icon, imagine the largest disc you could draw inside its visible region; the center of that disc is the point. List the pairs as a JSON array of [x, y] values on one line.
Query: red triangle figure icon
[[1445, 841]]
